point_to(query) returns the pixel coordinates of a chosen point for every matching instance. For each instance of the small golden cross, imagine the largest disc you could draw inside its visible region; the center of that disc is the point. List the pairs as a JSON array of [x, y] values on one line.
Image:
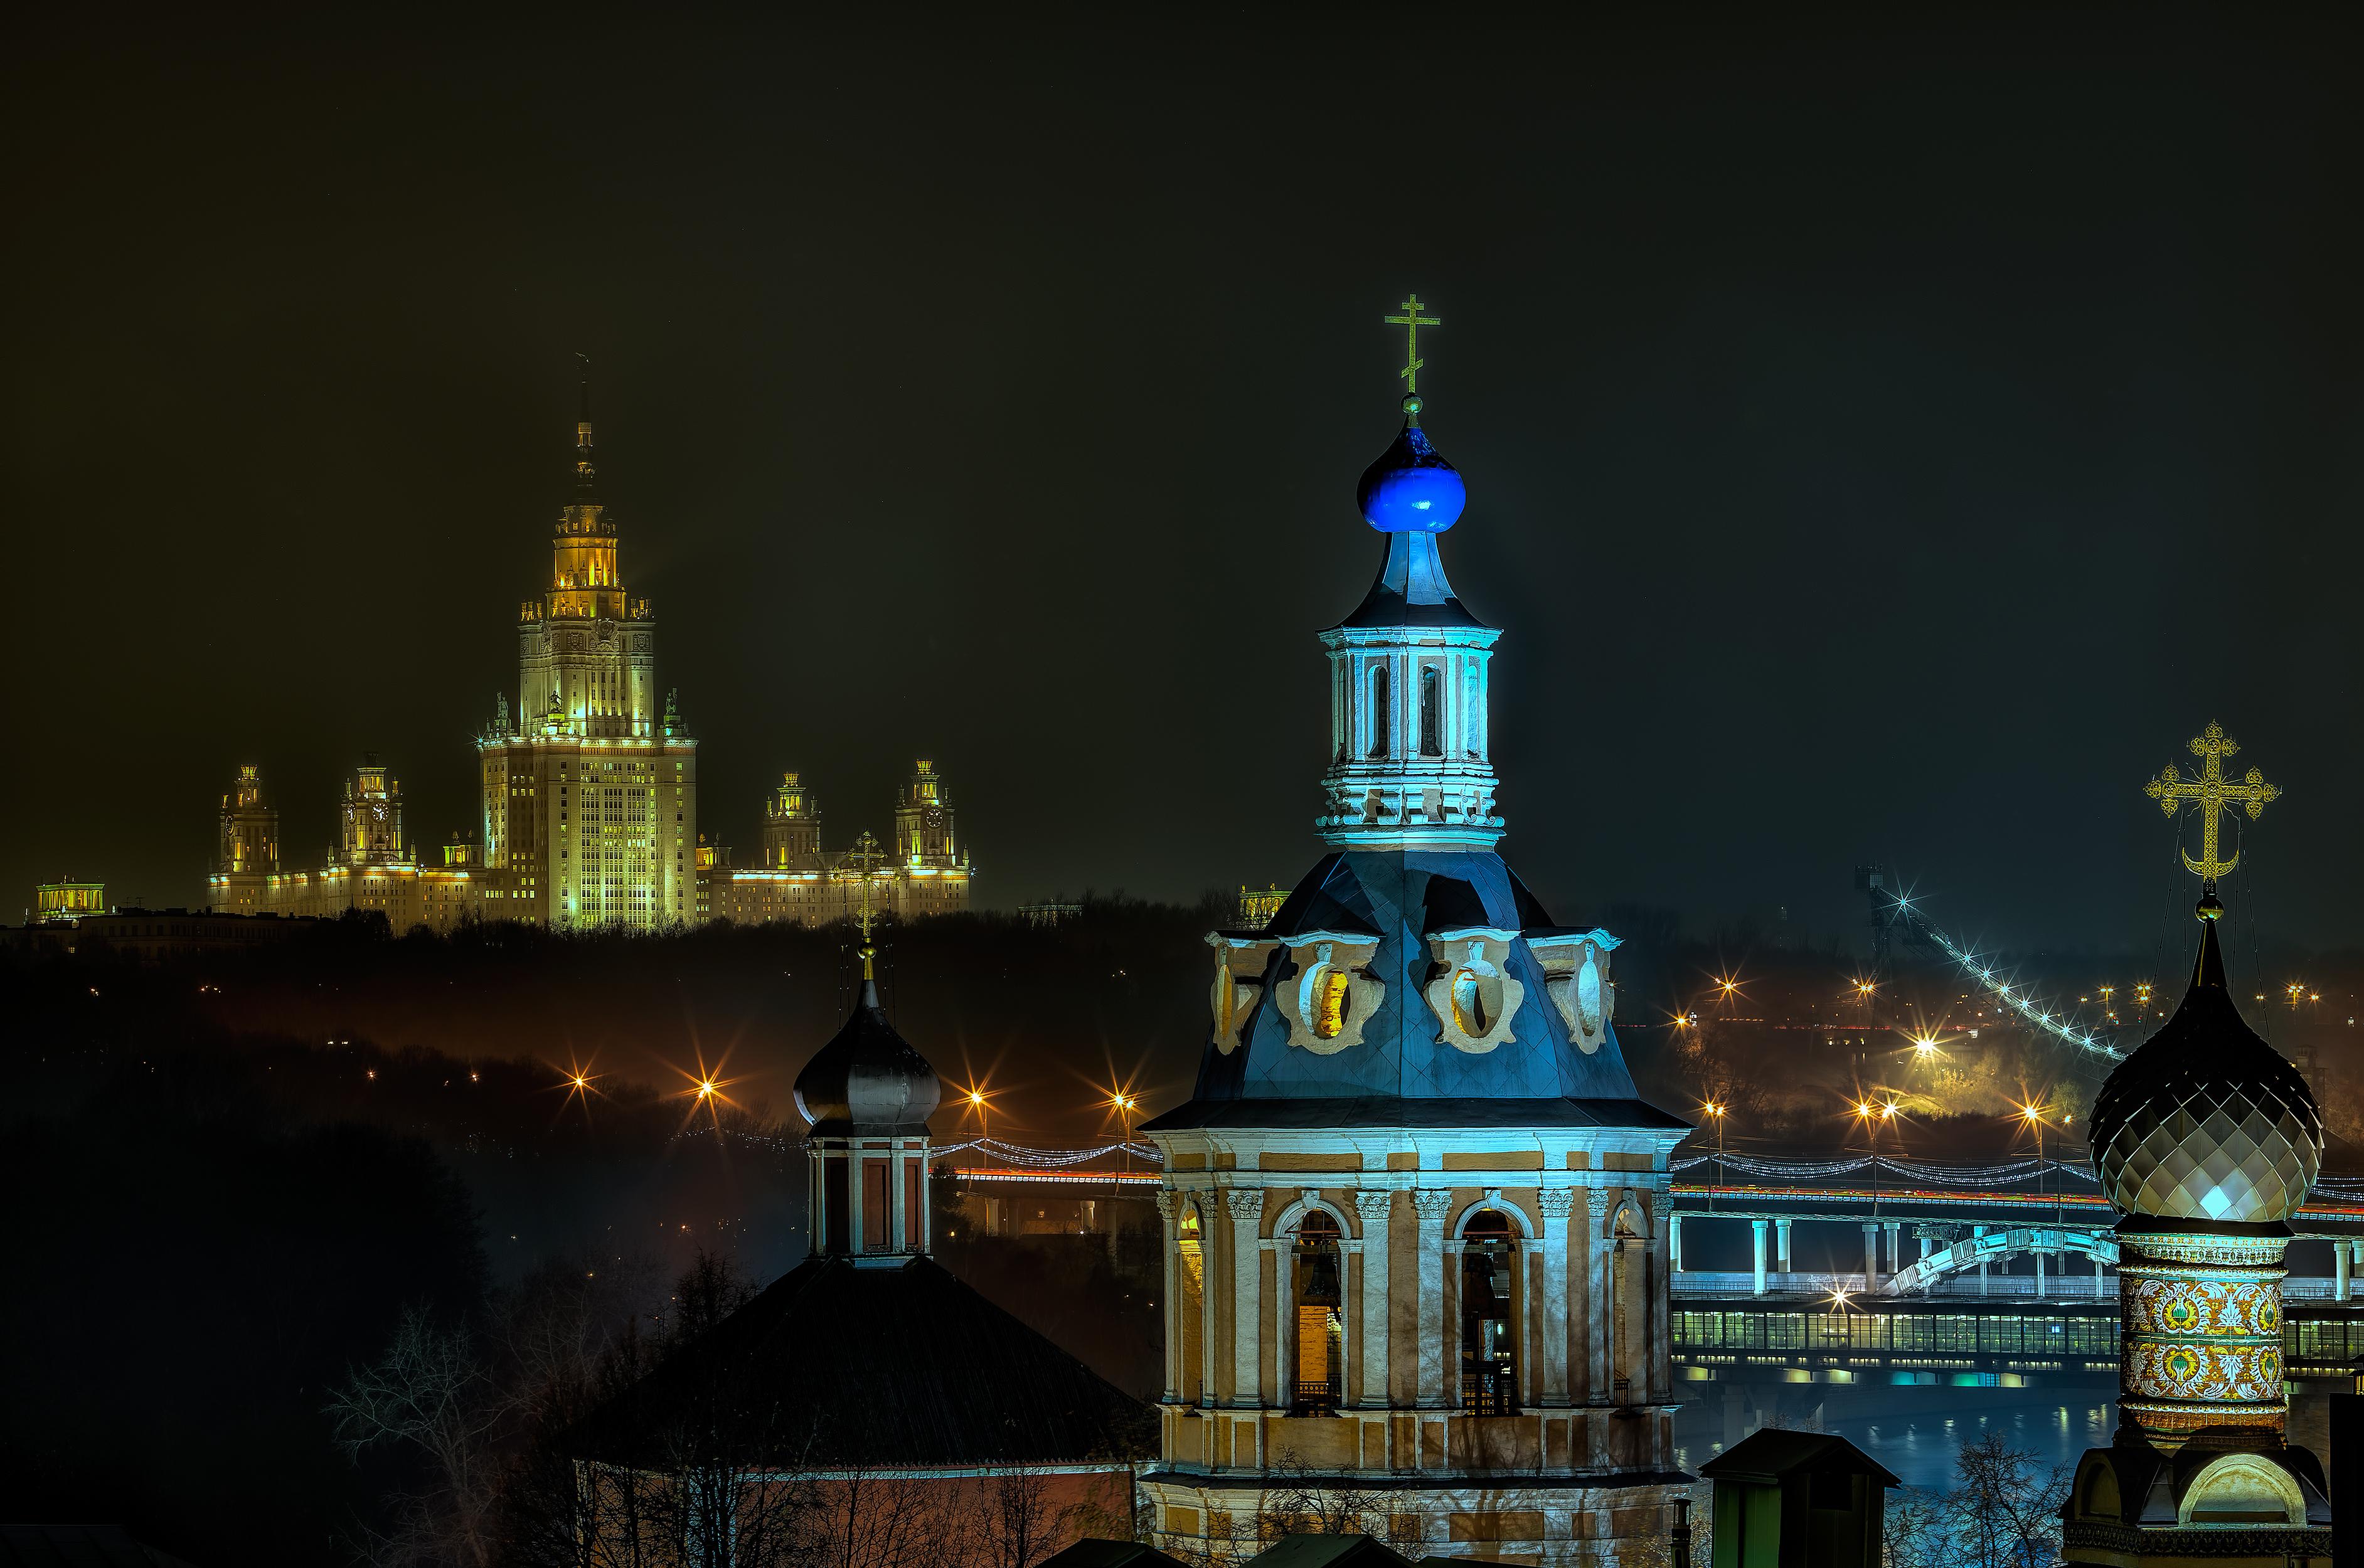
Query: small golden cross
[[2214, 794], [1411, 321]]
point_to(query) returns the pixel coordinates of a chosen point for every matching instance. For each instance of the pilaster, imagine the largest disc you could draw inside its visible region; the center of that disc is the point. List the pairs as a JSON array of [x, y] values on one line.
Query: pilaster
[[1600, 1312], [1176, 1336], [1557, 1205], [1375, 1210], [1245, 1208], [1432, 1206]]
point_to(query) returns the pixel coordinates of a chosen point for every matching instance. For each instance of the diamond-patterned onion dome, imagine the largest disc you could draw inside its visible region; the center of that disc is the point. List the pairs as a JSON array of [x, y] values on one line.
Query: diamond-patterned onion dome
[[2206, 1121]]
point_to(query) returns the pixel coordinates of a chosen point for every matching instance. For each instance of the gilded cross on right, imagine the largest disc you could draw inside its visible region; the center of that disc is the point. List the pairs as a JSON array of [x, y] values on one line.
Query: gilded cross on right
[[2214, 794]]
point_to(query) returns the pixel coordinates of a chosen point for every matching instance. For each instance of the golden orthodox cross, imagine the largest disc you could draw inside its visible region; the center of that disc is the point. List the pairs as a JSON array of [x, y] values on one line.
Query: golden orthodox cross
[[864, 858], [2214, 794], [1411, 321]]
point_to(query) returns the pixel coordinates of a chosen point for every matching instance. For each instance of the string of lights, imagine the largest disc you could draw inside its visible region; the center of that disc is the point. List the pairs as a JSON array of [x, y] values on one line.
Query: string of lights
[[1016, 1154], [1761, 1168], [1048, 1159], [2017, 998]]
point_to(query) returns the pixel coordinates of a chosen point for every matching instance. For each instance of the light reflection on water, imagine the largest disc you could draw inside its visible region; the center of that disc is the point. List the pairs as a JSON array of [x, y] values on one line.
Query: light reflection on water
[[1915, 1432]]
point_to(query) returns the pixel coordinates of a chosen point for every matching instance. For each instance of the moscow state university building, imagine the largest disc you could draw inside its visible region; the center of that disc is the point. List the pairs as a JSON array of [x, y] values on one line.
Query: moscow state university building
[[591, 785]]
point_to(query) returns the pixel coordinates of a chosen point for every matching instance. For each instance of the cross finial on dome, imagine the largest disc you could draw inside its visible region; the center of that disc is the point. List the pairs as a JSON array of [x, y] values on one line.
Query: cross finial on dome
[[1411, 321], [865, 859]]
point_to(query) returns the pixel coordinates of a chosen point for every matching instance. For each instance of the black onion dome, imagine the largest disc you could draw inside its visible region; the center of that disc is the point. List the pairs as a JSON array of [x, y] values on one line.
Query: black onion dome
[[2205, 1121], [868, 1078]]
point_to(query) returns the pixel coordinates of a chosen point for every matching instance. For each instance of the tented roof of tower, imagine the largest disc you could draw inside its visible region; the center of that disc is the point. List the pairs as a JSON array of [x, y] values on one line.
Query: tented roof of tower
[[1400, 1073], [1411, 589], [836, 1366]]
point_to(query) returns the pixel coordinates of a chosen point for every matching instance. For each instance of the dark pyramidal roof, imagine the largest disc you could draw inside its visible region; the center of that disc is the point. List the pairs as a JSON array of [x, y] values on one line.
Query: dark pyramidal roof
[[836, 1365], [2205, 1121]]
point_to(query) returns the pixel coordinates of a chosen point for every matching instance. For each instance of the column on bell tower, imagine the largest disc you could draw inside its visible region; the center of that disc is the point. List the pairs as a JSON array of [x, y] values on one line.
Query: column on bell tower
[[1245, 1208], [1375, 1207]]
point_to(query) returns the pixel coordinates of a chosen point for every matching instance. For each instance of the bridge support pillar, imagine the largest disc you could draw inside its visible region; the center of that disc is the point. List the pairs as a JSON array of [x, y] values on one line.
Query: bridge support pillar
[[1870, 1256], [1675, 1242], [1759, 1227], [2340, 1265], [1781, 1234], [2039, 1274], [1895, 1247], [1981, 1230]]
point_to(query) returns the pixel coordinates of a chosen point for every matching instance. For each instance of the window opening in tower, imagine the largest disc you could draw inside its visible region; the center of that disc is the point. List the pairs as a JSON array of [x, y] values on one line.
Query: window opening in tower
[[1432, 720], [1489, 1380], [1379, 710], [1321, 1325], [1470, 1012], [1329, 1014]]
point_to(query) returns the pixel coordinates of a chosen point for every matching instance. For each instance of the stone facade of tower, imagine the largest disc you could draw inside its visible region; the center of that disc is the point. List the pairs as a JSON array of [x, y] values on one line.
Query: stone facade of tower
[[371, 868], [590, 789], [924, 872], [1417, 1217]]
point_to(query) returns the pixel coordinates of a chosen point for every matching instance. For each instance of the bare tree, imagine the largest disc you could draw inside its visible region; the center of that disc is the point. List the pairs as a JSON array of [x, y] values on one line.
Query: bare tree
[[1916, 1529], [429, 1393], [2005, 1513]]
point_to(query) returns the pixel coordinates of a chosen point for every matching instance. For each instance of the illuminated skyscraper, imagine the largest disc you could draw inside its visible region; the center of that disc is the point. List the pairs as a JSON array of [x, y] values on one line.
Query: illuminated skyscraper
[[590, 789], [1417, 1214]]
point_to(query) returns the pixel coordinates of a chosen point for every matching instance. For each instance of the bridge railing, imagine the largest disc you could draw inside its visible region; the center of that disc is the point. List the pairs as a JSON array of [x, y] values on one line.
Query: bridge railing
[[1702, 1284]]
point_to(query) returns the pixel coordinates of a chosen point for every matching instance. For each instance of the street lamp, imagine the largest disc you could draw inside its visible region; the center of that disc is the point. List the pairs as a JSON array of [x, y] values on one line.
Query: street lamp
[[1717, 1112], [1125, 1104], [1870, 1117], [2034, 1116]]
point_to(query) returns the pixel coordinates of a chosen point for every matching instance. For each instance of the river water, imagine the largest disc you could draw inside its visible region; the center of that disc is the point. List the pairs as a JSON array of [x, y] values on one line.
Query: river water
[[1914, 1432]]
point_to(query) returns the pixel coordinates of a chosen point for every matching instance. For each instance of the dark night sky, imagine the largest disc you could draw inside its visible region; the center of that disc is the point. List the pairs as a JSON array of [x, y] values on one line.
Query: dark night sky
[[1880, 444]]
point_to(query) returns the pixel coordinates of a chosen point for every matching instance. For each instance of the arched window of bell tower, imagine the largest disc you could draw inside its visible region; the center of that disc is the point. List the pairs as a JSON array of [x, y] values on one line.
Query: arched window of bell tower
[[1317, 1316], [1432, 712], [1490, 1316], [1379, 721]]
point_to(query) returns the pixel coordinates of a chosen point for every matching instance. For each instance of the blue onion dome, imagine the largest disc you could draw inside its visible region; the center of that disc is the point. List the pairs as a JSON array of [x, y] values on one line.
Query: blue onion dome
[[1411, 490], [2205, 1121]]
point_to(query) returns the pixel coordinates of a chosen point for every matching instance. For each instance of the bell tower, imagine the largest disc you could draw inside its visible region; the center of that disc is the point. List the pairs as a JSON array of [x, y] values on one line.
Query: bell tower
[[866, 1097], [1417, 1216]]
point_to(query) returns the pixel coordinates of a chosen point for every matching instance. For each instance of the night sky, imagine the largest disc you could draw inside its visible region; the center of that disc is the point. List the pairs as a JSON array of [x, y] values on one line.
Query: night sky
[[1881, 444]]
